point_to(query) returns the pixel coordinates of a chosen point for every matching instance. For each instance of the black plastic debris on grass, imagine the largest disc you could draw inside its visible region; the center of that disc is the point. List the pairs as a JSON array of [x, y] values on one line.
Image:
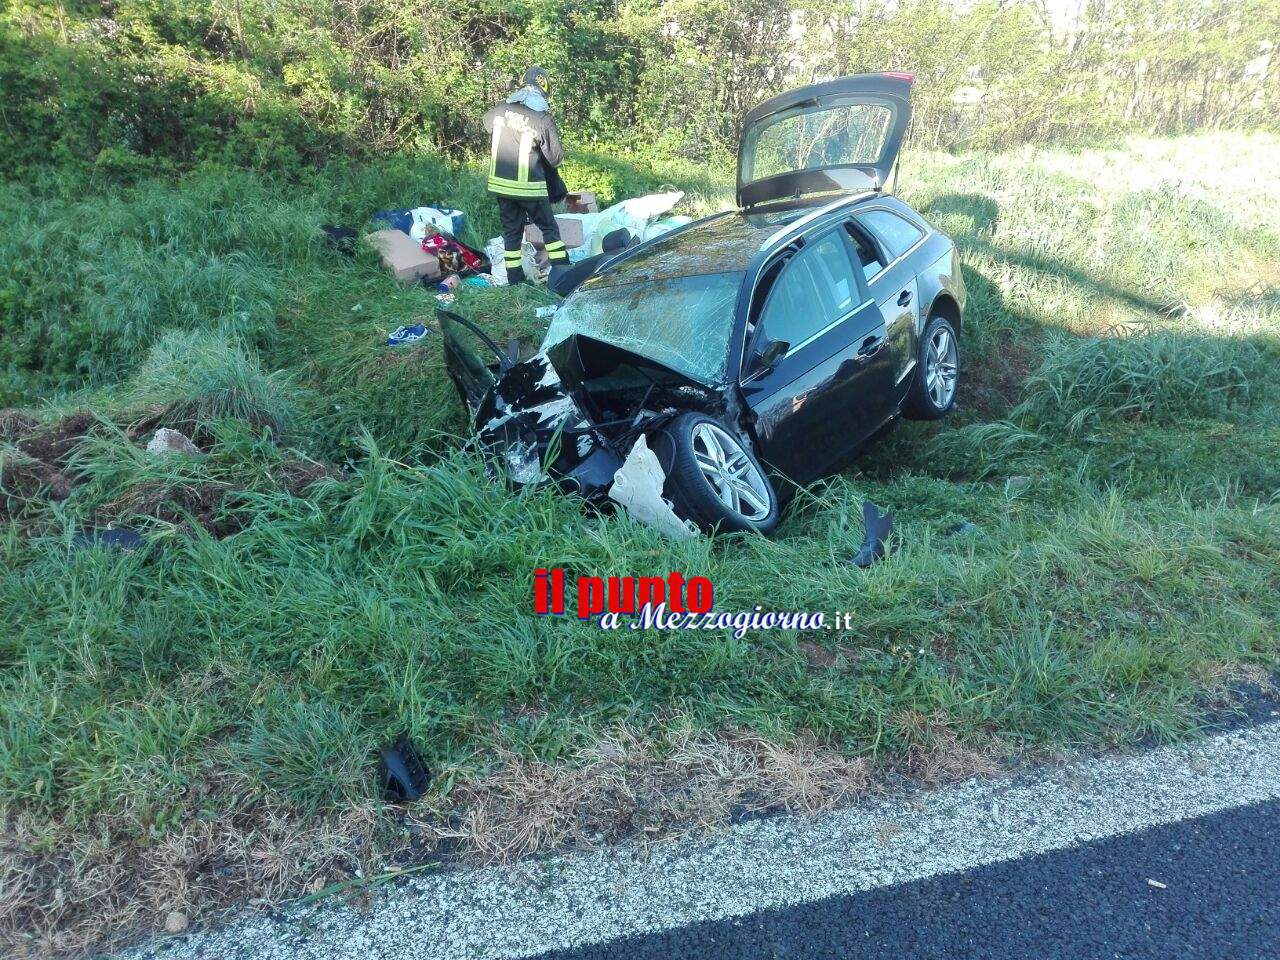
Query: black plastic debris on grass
[[402, 774], [342, 239], [877, 528], [116, 538]]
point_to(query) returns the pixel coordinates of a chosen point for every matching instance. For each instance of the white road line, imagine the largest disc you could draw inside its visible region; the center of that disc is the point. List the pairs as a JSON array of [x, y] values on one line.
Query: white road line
[[527, 909]]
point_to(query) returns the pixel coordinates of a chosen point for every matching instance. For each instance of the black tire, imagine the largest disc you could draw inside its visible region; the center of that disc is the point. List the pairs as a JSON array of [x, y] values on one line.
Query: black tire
[[690, 491], [922, 403]]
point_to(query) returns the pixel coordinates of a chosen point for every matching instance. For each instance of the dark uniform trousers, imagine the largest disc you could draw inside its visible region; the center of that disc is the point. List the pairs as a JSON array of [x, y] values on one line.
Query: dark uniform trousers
[[515, 213]]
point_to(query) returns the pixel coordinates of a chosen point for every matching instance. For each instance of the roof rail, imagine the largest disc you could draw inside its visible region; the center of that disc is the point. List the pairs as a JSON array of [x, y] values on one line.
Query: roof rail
[[813, 215]]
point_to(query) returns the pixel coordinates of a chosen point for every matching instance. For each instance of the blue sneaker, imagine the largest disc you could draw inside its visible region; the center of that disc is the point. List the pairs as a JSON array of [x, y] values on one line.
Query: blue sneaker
[[403, 335]]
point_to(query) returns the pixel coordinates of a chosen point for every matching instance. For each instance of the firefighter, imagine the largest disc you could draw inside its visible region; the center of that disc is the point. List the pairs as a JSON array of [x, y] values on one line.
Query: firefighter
[[524, 153]]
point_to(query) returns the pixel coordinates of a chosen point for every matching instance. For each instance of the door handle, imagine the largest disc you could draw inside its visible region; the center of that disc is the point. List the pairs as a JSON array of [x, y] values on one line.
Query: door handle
[[870, 346], [904, 298]]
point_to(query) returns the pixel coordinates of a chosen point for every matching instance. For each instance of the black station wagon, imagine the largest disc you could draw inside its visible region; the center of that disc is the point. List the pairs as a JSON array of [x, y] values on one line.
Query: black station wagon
[[751, 349]]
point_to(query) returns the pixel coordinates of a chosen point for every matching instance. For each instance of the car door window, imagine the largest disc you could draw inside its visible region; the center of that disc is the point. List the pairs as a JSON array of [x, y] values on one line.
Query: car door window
[[896, 234], [869, 257], [816, 288]]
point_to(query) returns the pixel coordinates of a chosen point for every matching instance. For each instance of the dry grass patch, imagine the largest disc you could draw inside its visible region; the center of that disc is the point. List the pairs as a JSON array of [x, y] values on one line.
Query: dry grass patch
[[626, 786]]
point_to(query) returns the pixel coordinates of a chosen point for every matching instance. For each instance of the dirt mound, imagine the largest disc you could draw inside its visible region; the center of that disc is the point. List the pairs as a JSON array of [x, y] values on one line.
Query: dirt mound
[[297, 475], [54, 443], [16, 424], [995, 386], [34, 469], [23, 478]]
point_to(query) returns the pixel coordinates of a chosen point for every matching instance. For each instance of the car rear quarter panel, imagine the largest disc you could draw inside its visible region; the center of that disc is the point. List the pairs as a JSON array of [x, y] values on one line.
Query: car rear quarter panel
[[940, 281]]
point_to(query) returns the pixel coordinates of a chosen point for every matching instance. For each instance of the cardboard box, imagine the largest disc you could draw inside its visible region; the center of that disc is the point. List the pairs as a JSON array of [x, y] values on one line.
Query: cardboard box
[[584, 202], [570, 231], [403, 255]]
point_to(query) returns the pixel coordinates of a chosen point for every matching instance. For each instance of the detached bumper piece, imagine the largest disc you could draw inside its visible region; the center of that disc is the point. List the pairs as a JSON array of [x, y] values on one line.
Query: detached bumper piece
[[877, 527], [401, 772]]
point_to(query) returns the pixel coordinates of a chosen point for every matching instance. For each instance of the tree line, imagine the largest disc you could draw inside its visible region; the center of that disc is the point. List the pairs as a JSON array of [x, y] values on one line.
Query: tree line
[[281, 83]]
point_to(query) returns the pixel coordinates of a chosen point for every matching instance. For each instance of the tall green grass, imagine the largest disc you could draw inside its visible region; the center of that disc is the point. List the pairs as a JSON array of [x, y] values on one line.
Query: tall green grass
[[198, 376], [1116, 447]]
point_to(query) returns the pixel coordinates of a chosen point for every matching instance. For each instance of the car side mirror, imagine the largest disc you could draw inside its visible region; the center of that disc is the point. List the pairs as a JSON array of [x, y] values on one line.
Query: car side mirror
[[775, 351]]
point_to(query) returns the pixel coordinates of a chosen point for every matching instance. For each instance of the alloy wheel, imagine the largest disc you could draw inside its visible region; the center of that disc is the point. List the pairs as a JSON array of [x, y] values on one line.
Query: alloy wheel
[[941, 367], [732, 475]]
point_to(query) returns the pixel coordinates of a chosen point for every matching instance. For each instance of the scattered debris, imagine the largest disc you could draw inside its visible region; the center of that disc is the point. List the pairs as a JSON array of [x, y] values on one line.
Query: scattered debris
[[616, 240], [878, 526], [453, 255], [113, 538], [420, 222], [564, 280], [582, 202], [342, 239], [401, 771], [637, 486], [547, 312], [403, 256], [1157, 884], [643, 217], [176, 922], [523, 464], [571, 230], [403, 335], [168, 441], [493, 251]]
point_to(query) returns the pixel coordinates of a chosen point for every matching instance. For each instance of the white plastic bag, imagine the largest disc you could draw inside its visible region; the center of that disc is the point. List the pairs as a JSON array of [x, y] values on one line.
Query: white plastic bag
[[634, 215], [497, 265], [429, 220], [495, 251]]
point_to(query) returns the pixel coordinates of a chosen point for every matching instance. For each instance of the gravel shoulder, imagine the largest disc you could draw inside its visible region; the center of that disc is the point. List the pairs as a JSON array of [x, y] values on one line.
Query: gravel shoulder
[[635, 890]]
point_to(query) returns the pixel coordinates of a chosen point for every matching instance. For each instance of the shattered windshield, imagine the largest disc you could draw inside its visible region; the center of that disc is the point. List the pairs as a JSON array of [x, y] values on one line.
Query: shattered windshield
[[682, 322]]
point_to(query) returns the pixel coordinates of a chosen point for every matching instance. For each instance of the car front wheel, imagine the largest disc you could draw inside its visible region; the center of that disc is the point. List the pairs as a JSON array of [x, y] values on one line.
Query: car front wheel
[[937, 373], [714, 479]]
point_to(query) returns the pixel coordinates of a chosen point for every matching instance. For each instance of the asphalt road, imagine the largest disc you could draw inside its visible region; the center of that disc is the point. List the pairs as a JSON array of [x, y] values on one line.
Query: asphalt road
[[1218, 896]]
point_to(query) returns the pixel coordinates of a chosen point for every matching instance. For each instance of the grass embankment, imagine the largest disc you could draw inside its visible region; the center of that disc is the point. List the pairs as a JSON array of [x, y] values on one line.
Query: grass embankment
[[192, 723]]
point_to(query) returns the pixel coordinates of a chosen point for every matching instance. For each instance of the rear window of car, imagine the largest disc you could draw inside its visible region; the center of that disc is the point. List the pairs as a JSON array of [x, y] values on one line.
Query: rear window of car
[[896, 233], [682, 322], [808, 138]]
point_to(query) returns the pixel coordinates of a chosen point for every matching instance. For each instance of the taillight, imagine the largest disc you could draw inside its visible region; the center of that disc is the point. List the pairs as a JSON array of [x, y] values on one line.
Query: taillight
[[909, 77]]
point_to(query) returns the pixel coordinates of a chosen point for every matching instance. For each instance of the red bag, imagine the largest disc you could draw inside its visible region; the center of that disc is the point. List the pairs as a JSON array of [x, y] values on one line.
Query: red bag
[[454, 257]]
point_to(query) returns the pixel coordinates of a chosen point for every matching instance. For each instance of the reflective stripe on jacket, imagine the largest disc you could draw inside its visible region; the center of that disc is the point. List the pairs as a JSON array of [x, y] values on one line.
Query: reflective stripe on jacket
[[524, 143]]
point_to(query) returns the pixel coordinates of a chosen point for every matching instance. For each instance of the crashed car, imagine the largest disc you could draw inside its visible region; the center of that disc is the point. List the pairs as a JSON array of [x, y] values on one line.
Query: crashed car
[[706, 370]]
